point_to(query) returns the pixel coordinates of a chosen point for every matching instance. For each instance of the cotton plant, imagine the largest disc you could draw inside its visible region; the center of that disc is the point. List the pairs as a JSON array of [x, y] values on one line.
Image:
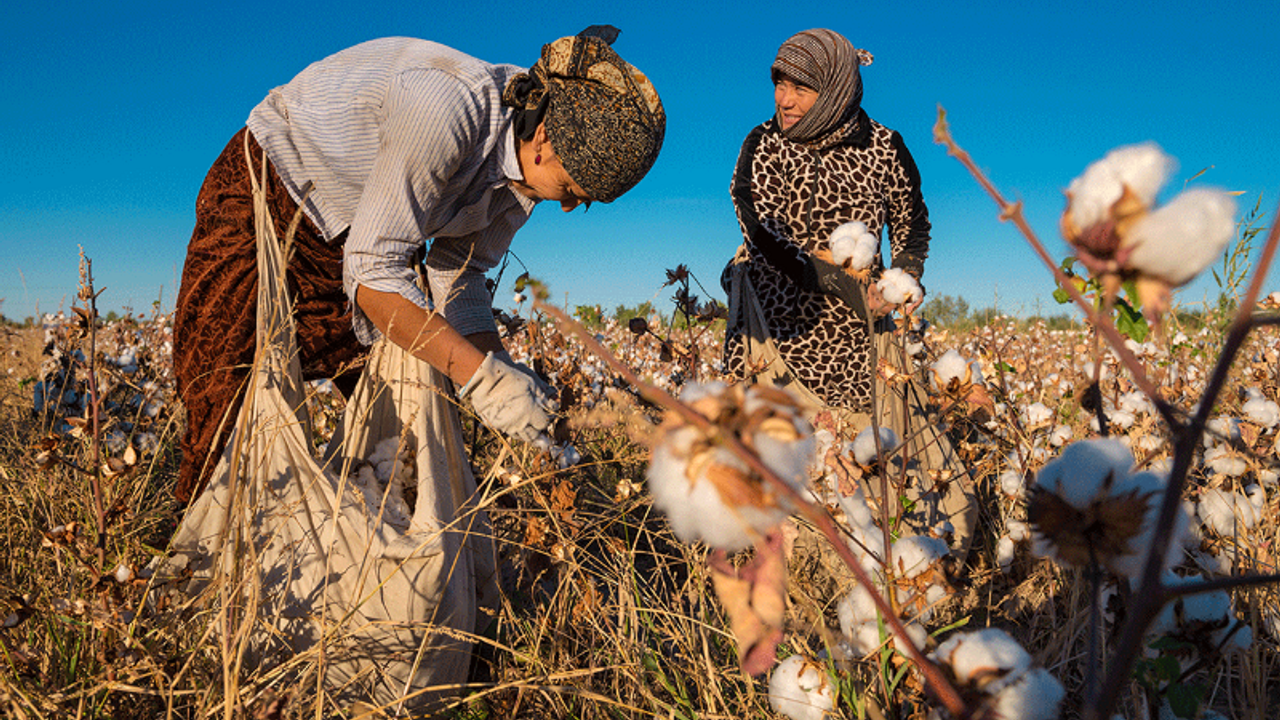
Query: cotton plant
[[801, 689], [1118, 232], [1089, 506], [991, 667], [707, 493]]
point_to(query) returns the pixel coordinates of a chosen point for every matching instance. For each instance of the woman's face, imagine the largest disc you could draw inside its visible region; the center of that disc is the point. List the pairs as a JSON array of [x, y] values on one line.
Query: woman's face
[[546, 178], [793, 100]]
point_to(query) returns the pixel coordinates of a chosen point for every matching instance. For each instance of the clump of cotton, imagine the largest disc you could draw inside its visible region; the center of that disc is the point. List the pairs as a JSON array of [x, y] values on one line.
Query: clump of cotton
[[853, 246], [1088, 505], [899, 288], [996, 671], [865, 448], [1262, 411], [1178, 241], [1229, 513], [381, 480], [800, 689], [710, 494], [1141, 169]]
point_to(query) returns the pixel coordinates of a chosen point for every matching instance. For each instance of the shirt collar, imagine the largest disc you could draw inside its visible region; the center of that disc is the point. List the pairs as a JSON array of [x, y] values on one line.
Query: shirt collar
[[509, 163]]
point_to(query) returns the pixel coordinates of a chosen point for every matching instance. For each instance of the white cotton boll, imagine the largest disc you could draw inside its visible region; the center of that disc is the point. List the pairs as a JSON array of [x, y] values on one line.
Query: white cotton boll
[[1036, 695], [899, 288], [1018, 530], [1226, 512], [866, 637], [801, 690], [1142, 168], [975, 655], [1122, 419], [1079, 473], [1179, 240], [1221, 429], [146, 442], [1150, 443], [864, 445], [694, 506], [1136, 403], [1262, 411], [1060, 436], [1268, 478], [855, 608], [914, 554], [951, 366], [517, 298], [853, 243], [124, 574], [114, 440], [1005, 549], [1036, 414], [1225, 461]]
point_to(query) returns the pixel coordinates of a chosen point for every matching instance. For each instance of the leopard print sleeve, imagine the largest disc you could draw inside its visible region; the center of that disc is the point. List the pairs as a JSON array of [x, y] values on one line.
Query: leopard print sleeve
[[755, 166], [908, 216]]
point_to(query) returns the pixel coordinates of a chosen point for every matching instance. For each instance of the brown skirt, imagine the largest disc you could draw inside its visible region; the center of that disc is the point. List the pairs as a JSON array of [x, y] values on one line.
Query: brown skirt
[[214, 321]]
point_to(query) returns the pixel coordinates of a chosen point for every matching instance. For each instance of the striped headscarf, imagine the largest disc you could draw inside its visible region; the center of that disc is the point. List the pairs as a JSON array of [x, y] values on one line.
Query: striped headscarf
[[602, 115], [827, 62]]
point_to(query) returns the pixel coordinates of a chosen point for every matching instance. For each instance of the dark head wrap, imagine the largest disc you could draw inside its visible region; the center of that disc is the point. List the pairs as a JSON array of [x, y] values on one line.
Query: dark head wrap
[[602, 115], [827, 62]]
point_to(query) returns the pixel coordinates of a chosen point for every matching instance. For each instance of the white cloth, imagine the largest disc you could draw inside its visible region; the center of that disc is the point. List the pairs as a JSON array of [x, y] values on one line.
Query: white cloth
[[299, 567]]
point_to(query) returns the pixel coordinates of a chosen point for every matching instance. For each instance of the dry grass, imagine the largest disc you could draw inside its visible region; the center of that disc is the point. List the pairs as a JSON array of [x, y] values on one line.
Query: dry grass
[[604, 613]]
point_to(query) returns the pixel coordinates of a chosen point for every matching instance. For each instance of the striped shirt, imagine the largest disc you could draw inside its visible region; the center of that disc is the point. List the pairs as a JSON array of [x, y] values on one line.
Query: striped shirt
[[400, 141]]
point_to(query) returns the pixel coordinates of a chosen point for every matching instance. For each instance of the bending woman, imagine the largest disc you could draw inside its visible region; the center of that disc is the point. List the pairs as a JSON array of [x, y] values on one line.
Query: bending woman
[[818, 163], [401, 152]]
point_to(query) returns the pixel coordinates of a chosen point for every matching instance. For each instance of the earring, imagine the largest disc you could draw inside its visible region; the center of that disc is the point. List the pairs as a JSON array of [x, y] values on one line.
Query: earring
[[537, 159]]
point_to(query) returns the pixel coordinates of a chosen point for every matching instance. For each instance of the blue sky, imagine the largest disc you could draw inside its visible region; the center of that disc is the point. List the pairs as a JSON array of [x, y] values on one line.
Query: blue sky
[[114, 111]]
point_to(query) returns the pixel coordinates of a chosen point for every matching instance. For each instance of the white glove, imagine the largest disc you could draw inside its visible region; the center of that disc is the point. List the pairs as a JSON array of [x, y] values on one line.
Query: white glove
[[546, 388], [510, 401]]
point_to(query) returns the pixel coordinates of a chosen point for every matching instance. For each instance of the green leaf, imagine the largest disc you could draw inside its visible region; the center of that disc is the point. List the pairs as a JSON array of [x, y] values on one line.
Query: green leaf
[[1130, 322], [1061, 296], [1184, 700], [1003, 366]]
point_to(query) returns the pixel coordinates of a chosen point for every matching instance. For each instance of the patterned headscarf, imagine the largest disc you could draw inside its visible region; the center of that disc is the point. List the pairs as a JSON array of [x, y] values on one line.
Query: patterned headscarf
[[827, 62], [602, 115]]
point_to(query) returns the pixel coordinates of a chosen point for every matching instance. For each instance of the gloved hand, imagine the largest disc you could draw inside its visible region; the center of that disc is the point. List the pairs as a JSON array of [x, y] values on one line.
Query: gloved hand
[[828, 278], [510, 401], [545, 387]]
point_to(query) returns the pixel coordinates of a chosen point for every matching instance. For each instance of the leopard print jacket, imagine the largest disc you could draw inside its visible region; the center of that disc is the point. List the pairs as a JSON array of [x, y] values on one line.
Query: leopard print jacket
[[789, 197]]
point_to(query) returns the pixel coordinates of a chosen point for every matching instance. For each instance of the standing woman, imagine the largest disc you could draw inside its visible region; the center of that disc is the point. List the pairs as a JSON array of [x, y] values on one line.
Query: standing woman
[[796, 319], [401, 153], [818, 163]]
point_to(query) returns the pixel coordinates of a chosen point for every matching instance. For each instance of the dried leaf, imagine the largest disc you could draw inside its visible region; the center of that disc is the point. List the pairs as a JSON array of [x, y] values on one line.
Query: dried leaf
[[754, 597]]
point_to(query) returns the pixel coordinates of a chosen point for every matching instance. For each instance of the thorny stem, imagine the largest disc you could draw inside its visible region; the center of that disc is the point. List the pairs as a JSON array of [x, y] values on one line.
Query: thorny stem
[[1151, 595], [1013, 212], [933, 676]]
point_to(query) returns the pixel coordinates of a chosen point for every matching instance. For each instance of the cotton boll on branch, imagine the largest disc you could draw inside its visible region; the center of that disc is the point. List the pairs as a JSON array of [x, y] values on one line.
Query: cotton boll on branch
[[710, 494], [899, 288], [865, 450], [801, 690], [1141, 169], [852, 244], [1179, 240]]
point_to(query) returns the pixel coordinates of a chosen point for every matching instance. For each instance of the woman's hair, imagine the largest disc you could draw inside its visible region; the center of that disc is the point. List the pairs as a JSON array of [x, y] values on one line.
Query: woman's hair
[[602, 115], [827, 62]]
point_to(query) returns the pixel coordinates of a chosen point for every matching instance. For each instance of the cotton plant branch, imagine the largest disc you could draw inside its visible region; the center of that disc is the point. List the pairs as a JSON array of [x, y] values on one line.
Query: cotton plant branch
[[934, 677], [1012, 212], [1152, 594]]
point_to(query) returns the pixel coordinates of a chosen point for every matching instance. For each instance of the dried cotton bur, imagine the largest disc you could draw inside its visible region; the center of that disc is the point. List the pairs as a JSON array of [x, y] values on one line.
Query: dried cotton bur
[[709, 494]]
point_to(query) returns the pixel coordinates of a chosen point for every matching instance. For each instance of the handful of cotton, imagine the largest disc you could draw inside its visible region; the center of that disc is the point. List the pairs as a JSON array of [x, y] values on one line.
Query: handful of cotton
[[853, 247]]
